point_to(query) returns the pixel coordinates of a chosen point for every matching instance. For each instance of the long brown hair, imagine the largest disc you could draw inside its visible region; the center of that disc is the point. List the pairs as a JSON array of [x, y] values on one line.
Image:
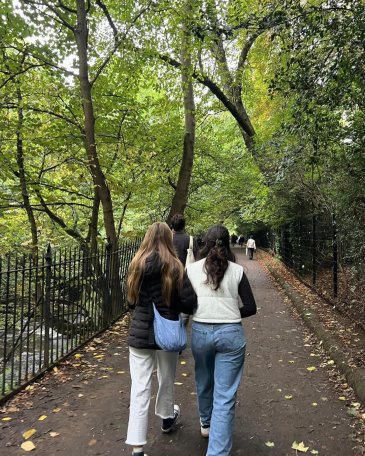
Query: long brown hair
[[158, 239], [217, 253]]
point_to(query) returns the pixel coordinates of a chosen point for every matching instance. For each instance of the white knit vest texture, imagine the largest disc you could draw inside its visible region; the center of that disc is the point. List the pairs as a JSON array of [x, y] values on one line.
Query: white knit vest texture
[[216, 306]]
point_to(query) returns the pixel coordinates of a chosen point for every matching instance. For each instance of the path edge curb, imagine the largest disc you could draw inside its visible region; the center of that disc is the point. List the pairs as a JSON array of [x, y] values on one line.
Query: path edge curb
[[355, 376]]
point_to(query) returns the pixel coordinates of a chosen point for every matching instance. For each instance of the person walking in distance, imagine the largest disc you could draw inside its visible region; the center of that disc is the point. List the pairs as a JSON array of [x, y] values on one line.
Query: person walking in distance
[[218, 339], [181, 240], [155, 276], [251, 246], [234, 239], [182, 243]]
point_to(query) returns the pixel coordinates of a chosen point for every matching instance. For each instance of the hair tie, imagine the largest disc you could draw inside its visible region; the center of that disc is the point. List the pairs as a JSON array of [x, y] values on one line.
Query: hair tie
[[218, 242]]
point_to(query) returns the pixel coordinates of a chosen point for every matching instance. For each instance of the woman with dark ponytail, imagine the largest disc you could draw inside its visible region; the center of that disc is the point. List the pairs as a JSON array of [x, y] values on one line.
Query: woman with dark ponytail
[[218, 341]]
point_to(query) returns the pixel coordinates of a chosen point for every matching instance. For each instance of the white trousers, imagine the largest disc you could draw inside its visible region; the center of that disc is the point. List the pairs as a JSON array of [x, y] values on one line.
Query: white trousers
[[141, 363]]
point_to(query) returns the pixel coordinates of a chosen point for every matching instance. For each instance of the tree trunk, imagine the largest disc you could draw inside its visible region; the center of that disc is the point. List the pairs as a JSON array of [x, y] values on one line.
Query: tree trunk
[[22, 177], [180, 198], [93, 225], [81, 36]]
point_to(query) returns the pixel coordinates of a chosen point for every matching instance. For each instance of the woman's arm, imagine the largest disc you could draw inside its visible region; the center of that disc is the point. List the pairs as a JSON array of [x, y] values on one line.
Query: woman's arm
[[247, 298], [186, 301]]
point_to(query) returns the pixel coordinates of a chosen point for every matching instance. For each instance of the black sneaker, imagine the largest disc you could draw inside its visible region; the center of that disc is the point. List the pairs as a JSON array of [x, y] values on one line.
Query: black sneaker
[[168, 424]]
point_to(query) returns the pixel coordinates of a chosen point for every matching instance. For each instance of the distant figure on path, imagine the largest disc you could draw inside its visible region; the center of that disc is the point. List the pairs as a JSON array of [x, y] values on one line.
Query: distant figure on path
[[181, 242], [241, 240], [156, 276], [251, 246], [181, 239], [218, 341], [233, 239]]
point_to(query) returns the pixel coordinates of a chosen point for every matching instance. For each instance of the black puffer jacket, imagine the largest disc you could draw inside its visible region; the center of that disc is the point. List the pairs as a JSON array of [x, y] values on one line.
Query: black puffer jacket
[[141, 334]]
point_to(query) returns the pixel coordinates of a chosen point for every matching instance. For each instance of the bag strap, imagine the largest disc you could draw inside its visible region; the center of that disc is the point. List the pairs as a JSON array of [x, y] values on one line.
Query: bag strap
[[191, 242]]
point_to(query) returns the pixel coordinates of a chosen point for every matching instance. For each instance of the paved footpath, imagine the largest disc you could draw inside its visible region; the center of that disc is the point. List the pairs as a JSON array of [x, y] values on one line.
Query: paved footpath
[[279, 400]]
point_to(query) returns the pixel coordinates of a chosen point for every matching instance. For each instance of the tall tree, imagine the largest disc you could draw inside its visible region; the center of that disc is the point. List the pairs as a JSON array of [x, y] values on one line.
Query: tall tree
[[180, 198]]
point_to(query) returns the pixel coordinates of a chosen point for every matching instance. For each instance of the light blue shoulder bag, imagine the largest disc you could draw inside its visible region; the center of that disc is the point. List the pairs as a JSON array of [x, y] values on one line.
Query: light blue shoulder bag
[[170, 335]]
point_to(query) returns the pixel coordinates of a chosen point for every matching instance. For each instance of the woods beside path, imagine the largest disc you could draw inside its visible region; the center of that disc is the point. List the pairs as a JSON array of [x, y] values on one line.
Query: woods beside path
[[291, 394]]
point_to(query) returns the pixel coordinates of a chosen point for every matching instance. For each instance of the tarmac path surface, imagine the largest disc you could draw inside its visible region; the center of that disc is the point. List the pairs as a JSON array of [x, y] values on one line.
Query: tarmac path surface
[[279, 402]]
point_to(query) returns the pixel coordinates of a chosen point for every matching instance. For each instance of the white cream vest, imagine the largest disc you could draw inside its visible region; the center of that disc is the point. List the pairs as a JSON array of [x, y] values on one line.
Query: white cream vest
[[222, 305]]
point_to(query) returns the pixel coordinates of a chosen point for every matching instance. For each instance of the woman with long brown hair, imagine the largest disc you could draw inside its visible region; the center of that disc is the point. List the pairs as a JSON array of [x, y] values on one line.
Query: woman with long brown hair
[[218, 342], [155, 276]]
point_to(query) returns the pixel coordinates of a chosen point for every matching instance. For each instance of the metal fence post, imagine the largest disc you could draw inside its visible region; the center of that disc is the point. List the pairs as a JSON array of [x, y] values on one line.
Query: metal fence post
[[47, 306], [335, 256], [107, 304], [314, 250]]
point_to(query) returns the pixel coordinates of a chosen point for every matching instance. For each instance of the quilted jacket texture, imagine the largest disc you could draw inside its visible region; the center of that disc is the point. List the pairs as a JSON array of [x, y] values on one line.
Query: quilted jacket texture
[[141, 334]]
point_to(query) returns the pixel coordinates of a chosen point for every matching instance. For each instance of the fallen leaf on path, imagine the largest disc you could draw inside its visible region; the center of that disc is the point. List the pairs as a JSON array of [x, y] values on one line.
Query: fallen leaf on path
[[7, 418], [288, 396], [13, 408], [56, 410], [299, 447], [314, 404], [178, 383], [311, 369], [27, 446], [42, 417], [28, 434], [314, 451], [54, 434], [182, 362], [341, 398], [270, 444]]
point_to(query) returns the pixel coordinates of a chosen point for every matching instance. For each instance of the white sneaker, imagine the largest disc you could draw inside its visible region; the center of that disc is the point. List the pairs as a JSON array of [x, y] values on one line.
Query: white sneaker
[[204, 430]]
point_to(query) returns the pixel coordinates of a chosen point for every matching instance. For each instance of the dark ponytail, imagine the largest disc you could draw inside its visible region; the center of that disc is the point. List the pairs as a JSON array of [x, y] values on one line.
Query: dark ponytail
[[217, 253]]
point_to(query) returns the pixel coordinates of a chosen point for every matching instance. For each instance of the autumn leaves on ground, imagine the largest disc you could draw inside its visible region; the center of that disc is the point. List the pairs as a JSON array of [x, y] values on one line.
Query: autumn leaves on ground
[[292, 399]]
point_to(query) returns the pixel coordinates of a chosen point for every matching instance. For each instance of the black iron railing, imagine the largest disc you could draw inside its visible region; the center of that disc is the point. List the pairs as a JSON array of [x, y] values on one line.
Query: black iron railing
[[52, 305], [325, 257]]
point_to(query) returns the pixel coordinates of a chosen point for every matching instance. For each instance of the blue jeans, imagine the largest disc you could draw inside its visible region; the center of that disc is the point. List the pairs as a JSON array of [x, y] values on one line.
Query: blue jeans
[[219, 354]]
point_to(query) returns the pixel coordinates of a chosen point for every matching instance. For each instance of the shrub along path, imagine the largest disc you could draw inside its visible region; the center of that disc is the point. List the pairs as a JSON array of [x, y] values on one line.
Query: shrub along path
[[290, 393]]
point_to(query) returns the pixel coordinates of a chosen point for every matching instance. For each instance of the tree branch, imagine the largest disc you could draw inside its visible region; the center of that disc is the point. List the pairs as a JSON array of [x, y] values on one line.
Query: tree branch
[[215, 90], [118, 39], [54, 10], [59, 221], [14, 75], [173, 185]]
